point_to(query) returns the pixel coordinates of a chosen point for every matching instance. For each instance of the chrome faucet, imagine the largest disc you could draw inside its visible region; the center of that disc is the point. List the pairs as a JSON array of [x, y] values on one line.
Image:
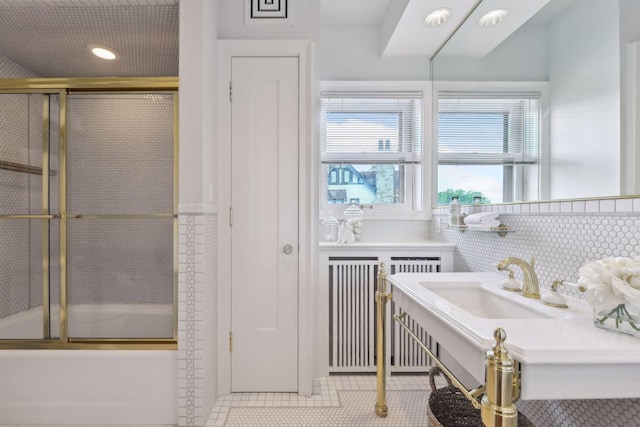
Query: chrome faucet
[[530, 287]]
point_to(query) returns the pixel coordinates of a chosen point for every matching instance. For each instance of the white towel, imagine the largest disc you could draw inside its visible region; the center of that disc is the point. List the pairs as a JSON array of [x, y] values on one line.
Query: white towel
[[481, 218], [487, 226]]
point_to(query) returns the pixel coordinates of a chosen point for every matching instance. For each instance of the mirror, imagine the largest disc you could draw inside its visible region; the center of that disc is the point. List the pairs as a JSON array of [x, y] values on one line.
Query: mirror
[[587, 54]]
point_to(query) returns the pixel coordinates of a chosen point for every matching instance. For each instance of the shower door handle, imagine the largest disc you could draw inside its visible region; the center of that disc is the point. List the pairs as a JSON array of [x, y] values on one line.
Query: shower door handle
[[287, 249]]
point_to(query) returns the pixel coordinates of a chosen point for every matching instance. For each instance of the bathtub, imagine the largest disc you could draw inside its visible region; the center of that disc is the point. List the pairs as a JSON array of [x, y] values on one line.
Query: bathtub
[[95, 321], [90, 387]]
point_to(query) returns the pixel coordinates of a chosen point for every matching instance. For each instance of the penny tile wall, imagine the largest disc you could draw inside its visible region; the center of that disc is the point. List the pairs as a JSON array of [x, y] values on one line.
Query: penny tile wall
[[561, 236]]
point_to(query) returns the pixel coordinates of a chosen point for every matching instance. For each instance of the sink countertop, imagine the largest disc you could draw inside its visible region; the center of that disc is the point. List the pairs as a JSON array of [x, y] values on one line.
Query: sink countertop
[[565, 351]]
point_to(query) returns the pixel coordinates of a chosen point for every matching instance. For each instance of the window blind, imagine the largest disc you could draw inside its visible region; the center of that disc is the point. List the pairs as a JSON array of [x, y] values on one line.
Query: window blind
[[486, 128], [371, 127]]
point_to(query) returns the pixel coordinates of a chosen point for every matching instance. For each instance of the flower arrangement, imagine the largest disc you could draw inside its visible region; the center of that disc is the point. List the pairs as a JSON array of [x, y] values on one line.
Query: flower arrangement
[[613, 289]]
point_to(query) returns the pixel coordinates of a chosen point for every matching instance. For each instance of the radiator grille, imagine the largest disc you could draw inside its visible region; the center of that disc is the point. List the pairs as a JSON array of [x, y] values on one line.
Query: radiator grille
[[406, 355], [352, 314], [414, 265]]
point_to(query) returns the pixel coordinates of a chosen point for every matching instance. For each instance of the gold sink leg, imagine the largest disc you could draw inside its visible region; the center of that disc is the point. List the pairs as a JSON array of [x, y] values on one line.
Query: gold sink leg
[[381, 301], [498, 409]]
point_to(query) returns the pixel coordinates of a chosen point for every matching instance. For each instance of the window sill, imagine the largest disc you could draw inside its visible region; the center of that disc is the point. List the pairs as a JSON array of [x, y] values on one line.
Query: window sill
[[418, 245], [382, 215]]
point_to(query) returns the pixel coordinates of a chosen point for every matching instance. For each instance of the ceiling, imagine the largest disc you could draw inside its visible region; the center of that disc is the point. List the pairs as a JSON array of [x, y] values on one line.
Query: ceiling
[[50, 37], [353, 11], [402, 29], [475, 41]]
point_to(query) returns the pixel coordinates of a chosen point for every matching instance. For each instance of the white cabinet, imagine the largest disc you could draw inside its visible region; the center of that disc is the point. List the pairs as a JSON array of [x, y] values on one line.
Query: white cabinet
[[346, 313]]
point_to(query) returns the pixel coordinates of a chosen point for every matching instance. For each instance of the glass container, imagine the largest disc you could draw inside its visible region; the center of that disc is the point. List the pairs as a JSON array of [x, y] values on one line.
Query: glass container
[[329, 230]]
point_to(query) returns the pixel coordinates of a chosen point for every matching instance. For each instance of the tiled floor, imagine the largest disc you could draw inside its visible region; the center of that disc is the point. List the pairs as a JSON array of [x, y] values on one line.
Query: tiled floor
[[340, 400]]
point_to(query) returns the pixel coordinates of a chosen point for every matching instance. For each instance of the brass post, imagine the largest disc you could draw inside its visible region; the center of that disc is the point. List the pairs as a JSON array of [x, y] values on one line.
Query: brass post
[[381, 301], [498, 409]]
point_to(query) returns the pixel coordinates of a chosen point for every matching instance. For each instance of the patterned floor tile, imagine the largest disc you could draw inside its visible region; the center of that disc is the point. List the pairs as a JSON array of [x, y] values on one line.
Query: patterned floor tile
[[340, 400]]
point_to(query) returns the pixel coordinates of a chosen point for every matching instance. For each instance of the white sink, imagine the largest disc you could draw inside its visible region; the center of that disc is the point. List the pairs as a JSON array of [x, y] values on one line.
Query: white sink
[[477, 300], [562, 355]]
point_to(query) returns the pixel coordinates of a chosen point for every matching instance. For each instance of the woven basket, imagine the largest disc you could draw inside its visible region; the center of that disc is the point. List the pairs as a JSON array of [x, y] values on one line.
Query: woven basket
[[448, 407]]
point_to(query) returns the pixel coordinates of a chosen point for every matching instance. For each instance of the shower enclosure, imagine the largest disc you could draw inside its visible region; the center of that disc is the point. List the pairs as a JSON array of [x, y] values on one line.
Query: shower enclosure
[[88, 204]]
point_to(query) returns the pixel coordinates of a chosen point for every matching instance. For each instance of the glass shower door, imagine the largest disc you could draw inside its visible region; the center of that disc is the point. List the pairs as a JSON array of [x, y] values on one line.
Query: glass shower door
[[29, 274], [120, 215]]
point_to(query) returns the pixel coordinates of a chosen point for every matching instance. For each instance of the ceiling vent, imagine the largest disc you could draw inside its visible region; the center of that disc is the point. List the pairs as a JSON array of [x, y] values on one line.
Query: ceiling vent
[[268, 12]]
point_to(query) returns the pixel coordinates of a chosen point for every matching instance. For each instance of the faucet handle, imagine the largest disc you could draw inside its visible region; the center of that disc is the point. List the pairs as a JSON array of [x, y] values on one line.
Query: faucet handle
[[553, 298], [533, 262], [511, 284]]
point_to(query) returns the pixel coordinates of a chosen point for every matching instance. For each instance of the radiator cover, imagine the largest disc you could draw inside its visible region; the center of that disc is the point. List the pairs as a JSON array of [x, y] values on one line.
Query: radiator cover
[[352, 314]]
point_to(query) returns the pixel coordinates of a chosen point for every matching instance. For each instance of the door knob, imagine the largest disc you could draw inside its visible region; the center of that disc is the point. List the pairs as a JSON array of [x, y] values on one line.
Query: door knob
[[287, 249]]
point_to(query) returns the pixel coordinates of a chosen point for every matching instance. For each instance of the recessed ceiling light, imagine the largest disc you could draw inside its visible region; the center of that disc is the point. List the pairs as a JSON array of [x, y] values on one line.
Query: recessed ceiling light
[[437, 17], [493, 18], [103, 52]]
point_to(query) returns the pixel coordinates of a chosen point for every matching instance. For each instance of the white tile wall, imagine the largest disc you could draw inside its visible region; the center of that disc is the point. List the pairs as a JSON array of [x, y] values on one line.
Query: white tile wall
[[197, 314], [561, 240], [607, 205]]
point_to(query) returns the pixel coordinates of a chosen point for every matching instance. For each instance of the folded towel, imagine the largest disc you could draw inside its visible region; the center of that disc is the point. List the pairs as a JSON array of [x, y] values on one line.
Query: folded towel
[[484, 227], [481, 217]]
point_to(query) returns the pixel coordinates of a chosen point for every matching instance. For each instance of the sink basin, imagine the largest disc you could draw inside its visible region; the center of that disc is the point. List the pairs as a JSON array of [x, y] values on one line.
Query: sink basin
[[473, 298], [561, 354]]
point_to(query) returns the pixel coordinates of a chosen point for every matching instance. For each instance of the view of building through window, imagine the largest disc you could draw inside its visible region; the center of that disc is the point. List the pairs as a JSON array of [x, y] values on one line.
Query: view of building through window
[[364, 184], [369, 147]]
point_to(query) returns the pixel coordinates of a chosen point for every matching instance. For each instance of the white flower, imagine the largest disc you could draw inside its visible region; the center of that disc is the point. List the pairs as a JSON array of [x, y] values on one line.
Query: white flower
[[612, 281]]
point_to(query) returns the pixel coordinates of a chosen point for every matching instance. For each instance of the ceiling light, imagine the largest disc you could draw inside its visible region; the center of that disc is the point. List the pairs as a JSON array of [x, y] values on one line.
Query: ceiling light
[[103, 52], [493, 18], [437, 17]]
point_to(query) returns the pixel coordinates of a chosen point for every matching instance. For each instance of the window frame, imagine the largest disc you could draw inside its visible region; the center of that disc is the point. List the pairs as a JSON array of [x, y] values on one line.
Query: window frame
[[541, 87], [417, 189]]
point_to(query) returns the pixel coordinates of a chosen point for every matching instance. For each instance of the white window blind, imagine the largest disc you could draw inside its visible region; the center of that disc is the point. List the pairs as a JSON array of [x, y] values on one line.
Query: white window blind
[[371, 127], [487, 128]]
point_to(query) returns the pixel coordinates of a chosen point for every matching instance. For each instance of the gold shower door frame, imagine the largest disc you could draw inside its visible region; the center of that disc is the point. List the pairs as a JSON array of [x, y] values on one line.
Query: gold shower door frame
[[62, 87]]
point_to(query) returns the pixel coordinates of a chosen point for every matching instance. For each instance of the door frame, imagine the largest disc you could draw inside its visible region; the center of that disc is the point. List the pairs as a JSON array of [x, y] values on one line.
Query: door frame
[[303, 50]]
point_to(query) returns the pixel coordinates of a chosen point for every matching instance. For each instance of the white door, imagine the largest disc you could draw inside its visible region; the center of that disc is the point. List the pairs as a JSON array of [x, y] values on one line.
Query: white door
[[264, 234]]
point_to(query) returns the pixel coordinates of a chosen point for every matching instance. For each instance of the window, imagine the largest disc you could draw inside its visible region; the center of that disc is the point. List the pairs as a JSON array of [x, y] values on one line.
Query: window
[[371, 149], [488, 145]]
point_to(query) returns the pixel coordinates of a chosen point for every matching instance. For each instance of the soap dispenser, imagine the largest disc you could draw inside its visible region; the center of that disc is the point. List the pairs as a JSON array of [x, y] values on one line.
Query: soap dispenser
[[455, 209]]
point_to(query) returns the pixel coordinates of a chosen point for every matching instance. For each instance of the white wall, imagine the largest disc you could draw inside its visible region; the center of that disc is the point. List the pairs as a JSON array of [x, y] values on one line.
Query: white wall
[[342, 52], [521, 57], [584, 106], [198, 101], [347, 52], [191, 79], [198, 239], [352, 52], [305, 23]]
